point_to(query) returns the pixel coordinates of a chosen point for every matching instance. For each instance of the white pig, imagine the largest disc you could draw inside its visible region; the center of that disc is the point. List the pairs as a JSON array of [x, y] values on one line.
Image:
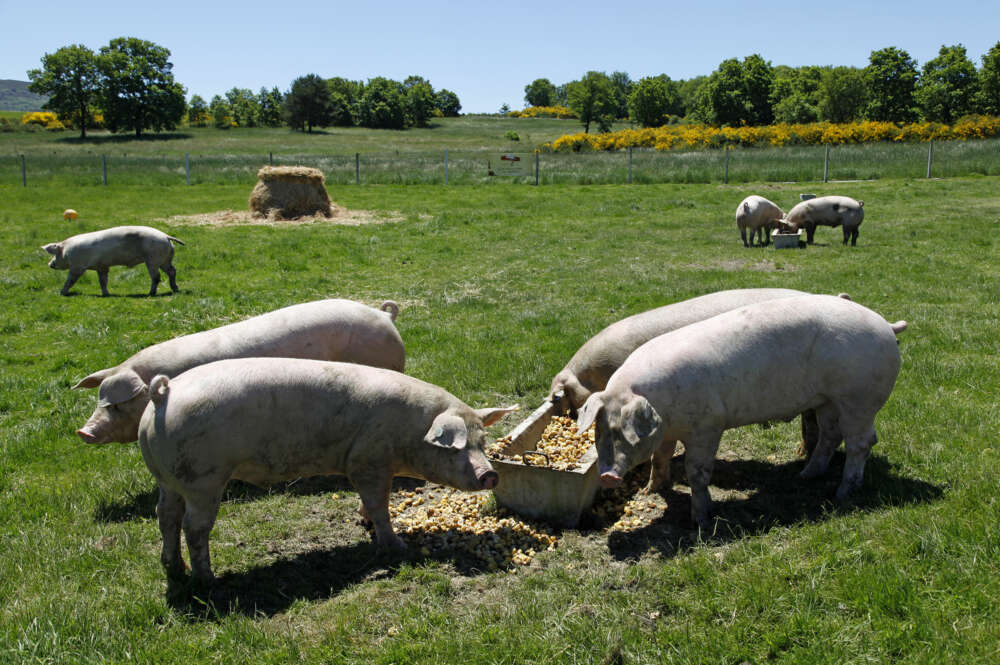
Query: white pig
[[332, 329], [264, 420], [764, 362], [827, 211], [118, 246], [758, 215]]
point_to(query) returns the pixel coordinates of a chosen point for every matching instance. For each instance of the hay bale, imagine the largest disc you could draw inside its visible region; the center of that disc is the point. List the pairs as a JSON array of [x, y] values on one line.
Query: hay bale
[[289, 192]]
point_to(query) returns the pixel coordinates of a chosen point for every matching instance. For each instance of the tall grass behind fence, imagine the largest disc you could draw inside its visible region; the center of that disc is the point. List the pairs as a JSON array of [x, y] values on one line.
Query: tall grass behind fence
[[468, 167]]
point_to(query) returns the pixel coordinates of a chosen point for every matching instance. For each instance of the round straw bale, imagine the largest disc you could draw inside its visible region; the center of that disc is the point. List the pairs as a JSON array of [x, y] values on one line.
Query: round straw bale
[[288, 192]]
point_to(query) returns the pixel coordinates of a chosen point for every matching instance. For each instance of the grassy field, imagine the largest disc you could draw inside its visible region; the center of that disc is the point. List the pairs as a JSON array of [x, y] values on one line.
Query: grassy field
[[474, 145], [498, 287]]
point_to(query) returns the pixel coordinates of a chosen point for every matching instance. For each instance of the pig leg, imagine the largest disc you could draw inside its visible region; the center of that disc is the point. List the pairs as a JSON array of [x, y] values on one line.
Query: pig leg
[[847, 235], [374, 490], [810, 433], [154, 275], [829, 438], [743, 234], [659, 474], [199, 518], [810, 233], [172, 275], [858, 447], [71, 280], [854, 236], [102, 277], [699, 458], [170, 512]]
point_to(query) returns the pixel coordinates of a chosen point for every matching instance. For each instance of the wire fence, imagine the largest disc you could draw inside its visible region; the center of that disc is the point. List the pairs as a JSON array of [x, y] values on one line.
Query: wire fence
[[467, 167]]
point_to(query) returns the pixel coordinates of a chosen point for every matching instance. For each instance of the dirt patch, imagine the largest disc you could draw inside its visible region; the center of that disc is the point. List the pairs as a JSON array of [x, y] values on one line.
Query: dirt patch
[[340, 216], [732, 265]]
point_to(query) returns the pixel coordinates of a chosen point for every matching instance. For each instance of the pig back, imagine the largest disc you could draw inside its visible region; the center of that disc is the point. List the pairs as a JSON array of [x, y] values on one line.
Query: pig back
[[120, 245], [333, 330]]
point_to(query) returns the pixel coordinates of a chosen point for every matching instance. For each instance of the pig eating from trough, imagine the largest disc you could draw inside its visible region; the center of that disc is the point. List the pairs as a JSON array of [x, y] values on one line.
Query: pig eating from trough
[[264, 420], [333, 329], [118, 246], [827, 211], [767, 361], [758, 215]]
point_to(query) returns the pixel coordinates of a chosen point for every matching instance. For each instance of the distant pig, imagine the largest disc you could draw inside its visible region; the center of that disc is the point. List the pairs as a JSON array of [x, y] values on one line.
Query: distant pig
[[322, 330], [118, 246], [264, 420], [764, 362], [758, 215], [827, 211]]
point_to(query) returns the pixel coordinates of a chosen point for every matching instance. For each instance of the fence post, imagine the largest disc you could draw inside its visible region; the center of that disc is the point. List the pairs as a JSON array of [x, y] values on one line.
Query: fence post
[[726, 179], [357, 168], [104, 169], [270, 159], [536, 168], [187, 167], [446, 166], [930, 157], [24, 173], [630, 165], [826, 163]]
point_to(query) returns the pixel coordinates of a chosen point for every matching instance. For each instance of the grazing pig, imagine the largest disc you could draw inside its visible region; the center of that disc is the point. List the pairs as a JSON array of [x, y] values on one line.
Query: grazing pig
[[118, 246], [264, 420], [763, 362], [593, 364], [758, 215], [332, 329], [827, 211]]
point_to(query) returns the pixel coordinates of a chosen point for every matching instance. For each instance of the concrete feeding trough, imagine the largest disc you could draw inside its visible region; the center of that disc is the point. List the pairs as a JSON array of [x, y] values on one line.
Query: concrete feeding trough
[[533, 490], [786, 240]]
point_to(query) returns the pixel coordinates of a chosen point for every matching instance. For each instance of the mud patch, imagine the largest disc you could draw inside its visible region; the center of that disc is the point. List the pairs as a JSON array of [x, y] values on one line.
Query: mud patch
[[340, 216], [733, 265]]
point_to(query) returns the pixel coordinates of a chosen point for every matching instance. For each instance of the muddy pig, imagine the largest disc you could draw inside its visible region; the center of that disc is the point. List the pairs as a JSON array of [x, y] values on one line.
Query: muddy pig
[[332, 329], [763, 362], [264, 420], [118, 246]]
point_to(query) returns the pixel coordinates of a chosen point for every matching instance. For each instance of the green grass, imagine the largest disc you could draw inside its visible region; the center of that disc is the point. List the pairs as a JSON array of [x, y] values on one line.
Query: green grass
[[498, 287]]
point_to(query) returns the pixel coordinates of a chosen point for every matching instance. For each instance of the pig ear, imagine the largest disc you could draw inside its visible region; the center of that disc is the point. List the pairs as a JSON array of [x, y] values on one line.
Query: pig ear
[[94, 379], [639, 419], [447, 431], [121, 387], [490, 416], [588, 412], [53, 248]]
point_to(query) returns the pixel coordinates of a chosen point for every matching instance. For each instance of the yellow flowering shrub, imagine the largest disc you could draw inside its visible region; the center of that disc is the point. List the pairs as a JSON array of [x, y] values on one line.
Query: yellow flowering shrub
[[46, 119], [673, 137], [543, 112]]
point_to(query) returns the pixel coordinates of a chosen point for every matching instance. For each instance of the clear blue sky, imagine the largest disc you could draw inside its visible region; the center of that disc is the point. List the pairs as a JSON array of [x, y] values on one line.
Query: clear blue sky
[[487, 52]]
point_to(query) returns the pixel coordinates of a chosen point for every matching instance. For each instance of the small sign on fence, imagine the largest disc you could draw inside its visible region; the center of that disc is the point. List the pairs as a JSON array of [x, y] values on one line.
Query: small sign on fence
[[509, 164]]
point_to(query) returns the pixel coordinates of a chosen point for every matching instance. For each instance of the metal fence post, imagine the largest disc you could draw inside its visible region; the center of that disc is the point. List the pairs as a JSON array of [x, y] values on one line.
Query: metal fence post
[[930, 157], [726, 179], [104, 169], [826, 163], [24, 173], [536, 168], [446, 166], [187, 167], [630, 165], [357, 168]]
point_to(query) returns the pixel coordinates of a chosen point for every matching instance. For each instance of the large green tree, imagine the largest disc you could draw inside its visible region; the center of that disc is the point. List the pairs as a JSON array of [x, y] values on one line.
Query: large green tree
[[307, 103], [621, 85], [138, 90], [270, 103], [948, 86], [246, 108], [420, 100], [71, 80], [447, 102], [795, 94], [843, 95], [540, 92], [382, 104], [989, 82], [737, 93], [653, 100], [891, 78], [592, 98], [197, 111]]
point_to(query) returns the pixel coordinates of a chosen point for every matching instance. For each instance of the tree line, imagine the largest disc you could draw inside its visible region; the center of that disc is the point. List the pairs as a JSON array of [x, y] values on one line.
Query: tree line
[[130, 84], [752, 91]]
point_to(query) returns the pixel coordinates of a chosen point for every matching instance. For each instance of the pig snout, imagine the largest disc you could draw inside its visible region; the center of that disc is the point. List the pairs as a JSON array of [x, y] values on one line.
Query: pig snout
[[488, 480], [87, 435], [610, 480]]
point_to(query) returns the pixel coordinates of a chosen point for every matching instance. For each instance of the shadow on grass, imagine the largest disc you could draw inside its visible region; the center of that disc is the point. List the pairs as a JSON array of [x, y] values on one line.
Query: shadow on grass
[[103, 139], [779, 498]]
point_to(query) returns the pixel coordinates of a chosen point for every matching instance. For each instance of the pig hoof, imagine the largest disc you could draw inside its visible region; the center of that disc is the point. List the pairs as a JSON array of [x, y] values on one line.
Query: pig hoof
[[394, 543]]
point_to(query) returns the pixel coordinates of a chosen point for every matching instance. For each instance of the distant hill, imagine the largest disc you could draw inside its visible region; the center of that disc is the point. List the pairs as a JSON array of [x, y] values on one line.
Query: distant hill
[[14, 96]]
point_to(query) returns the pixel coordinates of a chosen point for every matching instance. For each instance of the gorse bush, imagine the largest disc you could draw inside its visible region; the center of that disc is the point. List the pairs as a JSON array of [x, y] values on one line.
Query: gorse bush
[[816, 133], [45, 119], [544, 112]]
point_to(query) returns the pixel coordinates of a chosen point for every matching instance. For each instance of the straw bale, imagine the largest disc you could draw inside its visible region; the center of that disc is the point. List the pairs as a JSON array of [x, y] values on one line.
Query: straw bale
[[290, 192]]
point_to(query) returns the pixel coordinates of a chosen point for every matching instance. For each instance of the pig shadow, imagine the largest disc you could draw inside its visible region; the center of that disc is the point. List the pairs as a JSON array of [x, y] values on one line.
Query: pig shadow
[[142, 504], [777, 498]]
